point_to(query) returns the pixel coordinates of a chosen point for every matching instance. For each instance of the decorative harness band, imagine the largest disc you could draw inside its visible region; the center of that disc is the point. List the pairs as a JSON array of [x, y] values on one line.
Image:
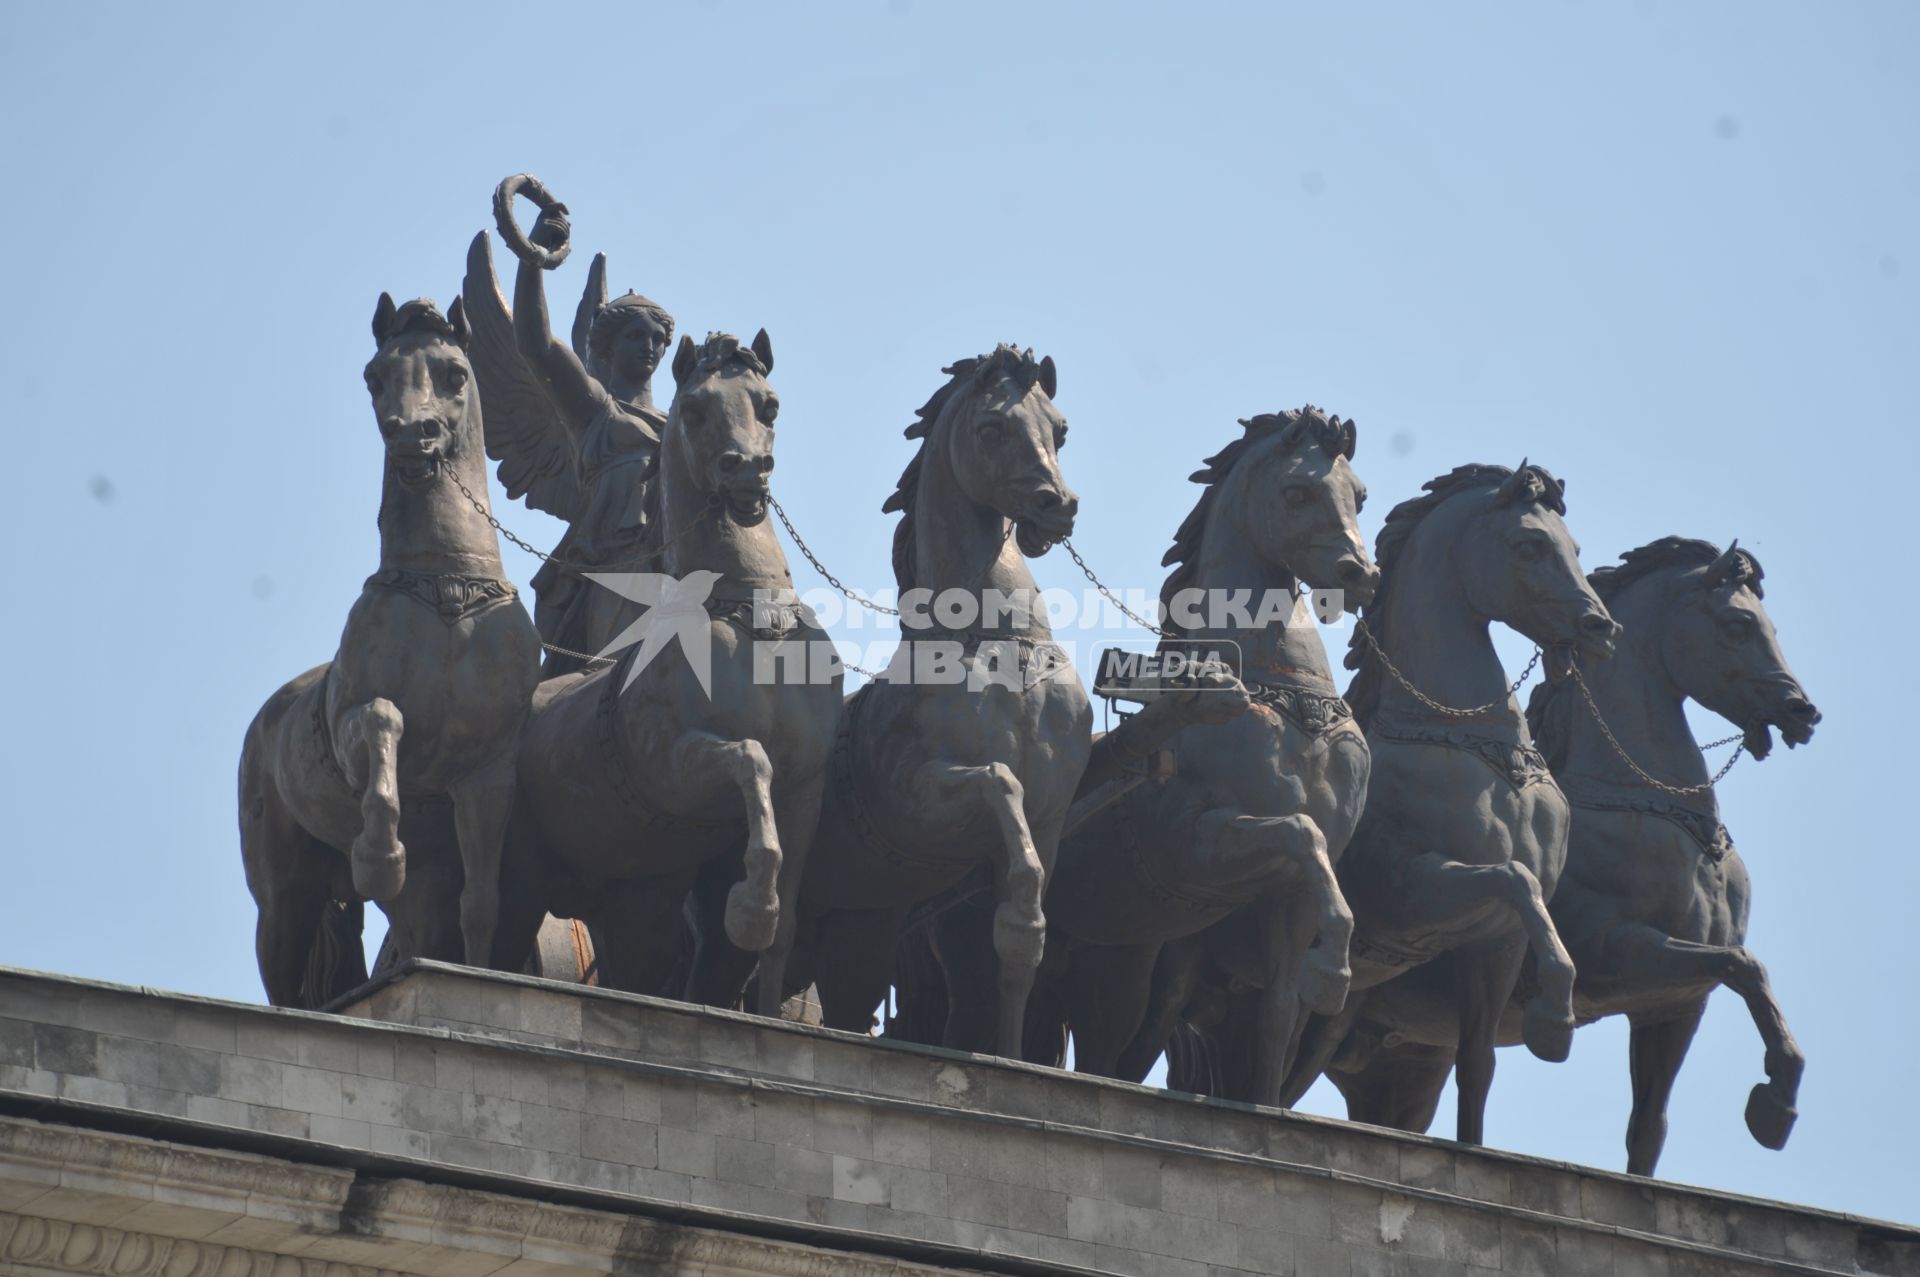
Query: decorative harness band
[[1520, 765], [1703, 827], [1313, 712], [454, 595]]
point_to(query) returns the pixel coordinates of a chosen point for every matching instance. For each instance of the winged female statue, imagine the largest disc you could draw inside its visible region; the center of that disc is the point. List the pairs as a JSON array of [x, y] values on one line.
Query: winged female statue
[[574, 427]]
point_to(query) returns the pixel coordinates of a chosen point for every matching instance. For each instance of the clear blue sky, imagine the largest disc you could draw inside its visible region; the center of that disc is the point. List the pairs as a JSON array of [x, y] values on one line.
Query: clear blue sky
[[1667, 250]]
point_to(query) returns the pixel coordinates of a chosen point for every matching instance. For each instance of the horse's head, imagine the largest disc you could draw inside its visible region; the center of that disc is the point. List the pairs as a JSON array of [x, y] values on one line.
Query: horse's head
[[1301, 500], [1521, 566], [719, 435], [1719, 646], [422, 386], [1002, 438]]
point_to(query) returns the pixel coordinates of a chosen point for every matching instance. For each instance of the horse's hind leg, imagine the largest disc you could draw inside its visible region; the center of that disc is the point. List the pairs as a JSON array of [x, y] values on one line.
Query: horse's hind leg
[[1176, 971], [753, 903], [1110, 987], [1020, 879], [367, 747], [1485, 981], [796, 816], [1439, 892], [1656, 1051], [482, 803]]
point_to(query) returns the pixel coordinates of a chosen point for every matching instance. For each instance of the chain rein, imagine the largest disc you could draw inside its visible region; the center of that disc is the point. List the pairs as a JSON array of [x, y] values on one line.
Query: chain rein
[[1360, 626], [1677, 791], [568, 566]]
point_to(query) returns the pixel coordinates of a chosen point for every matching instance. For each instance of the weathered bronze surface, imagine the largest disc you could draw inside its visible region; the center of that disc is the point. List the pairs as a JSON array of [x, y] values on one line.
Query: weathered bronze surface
[[1653, 901], [425, 697]]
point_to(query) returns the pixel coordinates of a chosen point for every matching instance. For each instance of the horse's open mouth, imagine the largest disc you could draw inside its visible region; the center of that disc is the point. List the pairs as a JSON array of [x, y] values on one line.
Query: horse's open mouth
[[745, 506], [416, 469], [1035, 540]]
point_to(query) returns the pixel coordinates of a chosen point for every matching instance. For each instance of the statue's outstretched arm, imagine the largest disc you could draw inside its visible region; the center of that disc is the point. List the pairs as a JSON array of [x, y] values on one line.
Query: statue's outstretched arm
[[576, 395]]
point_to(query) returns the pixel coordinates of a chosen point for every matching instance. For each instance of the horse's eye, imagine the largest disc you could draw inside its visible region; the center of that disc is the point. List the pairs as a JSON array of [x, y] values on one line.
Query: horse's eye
[[1298, 495], [373, 385], [1737, 629], [1531, 548], [456, 377], [769, 410], [991, 431]]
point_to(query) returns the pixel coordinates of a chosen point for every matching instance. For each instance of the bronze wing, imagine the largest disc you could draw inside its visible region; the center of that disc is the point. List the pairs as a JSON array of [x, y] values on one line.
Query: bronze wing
[[524, 431]]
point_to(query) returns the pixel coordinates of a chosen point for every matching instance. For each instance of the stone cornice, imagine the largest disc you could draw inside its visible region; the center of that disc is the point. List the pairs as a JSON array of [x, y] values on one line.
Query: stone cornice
[[299, 1220]]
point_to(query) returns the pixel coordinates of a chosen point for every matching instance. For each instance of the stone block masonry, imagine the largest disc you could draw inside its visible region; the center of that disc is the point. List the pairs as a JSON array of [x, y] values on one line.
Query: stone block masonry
[[448, 1120]]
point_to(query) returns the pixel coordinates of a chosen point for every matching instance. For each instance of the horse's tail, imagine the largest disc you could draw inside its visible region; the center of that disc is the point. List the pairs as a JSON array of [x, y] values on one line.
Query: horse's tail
[[1193, 1063], [337, 961]]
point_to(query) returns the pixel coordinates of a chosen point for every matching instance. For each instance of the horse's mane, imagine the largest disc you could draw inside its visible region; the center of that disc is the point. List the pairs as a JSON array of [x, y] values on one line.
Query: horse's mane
[[1550, 709], [1330, 432], [1363, 693], [1005, 361]]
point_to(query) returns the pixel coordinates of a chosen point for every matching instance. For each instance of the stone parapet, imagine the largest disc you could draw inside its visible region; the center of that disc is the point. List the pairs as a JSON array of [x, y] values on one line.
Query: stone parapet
[[444, 1085]]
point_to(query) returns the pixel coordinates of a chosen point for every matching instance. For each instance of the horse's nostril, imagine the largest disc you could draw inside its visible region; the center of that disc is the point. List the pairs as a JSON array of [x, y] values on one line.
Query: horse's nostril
[[1803, 709], [1351, 571], [1048, 501], [1597, 624], [730, 461]]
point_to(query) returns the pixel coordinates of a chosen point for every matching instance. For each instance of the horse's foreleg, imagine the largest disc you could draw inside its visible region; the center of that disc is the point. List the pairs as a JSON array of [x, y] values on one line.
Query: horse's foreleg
[[1019, 925], [753, 904], [1439, 892], [482, 803], [1652, 964], [367, 747], [1485, 984], [1656, 1051], [1236, 848]]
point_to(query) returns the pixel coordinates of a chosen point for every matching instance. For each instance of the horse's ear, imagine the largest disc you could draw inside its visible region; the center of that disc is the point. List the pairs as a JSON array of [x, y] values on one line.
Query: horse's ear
[[1049, 378], [683, 361], [457, 317], [1349, 431], [1728, 568], [763, 349], [1517, 485], [383, 314]]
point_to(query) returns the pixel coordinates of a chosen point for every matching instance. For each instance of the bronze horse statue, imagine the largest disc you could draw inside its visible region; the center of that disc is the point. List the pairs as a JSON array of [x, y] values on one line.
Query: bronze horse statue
[[1653, 903], [934, 776], [425, 696], [642, 781], [1465, 832], [1261, 805]]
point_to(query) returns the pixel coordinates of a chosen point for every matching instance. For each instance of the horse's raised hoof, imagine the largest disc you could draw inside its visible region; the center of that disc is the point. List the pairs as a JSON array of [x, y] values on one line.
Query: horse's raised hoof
[[1769, 1117], [1323, 990], [1548, 1034], [378, 874], [751, 925]]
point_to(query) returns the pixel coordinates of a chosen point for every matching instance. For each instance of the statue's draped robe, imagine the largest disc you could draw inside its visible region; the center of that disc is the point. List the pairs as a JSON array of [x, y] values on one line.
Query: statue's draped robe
[[618, 446]]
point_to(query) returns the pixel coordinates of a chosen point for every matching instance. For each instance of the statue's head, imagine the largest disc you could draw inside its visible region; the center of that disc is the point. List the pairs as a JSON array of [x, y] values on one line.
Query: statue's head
[[422, 386], [1521, 565], [1716, 641], [719, 434], [1301, 501], [1002, 435], [628, 339]]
